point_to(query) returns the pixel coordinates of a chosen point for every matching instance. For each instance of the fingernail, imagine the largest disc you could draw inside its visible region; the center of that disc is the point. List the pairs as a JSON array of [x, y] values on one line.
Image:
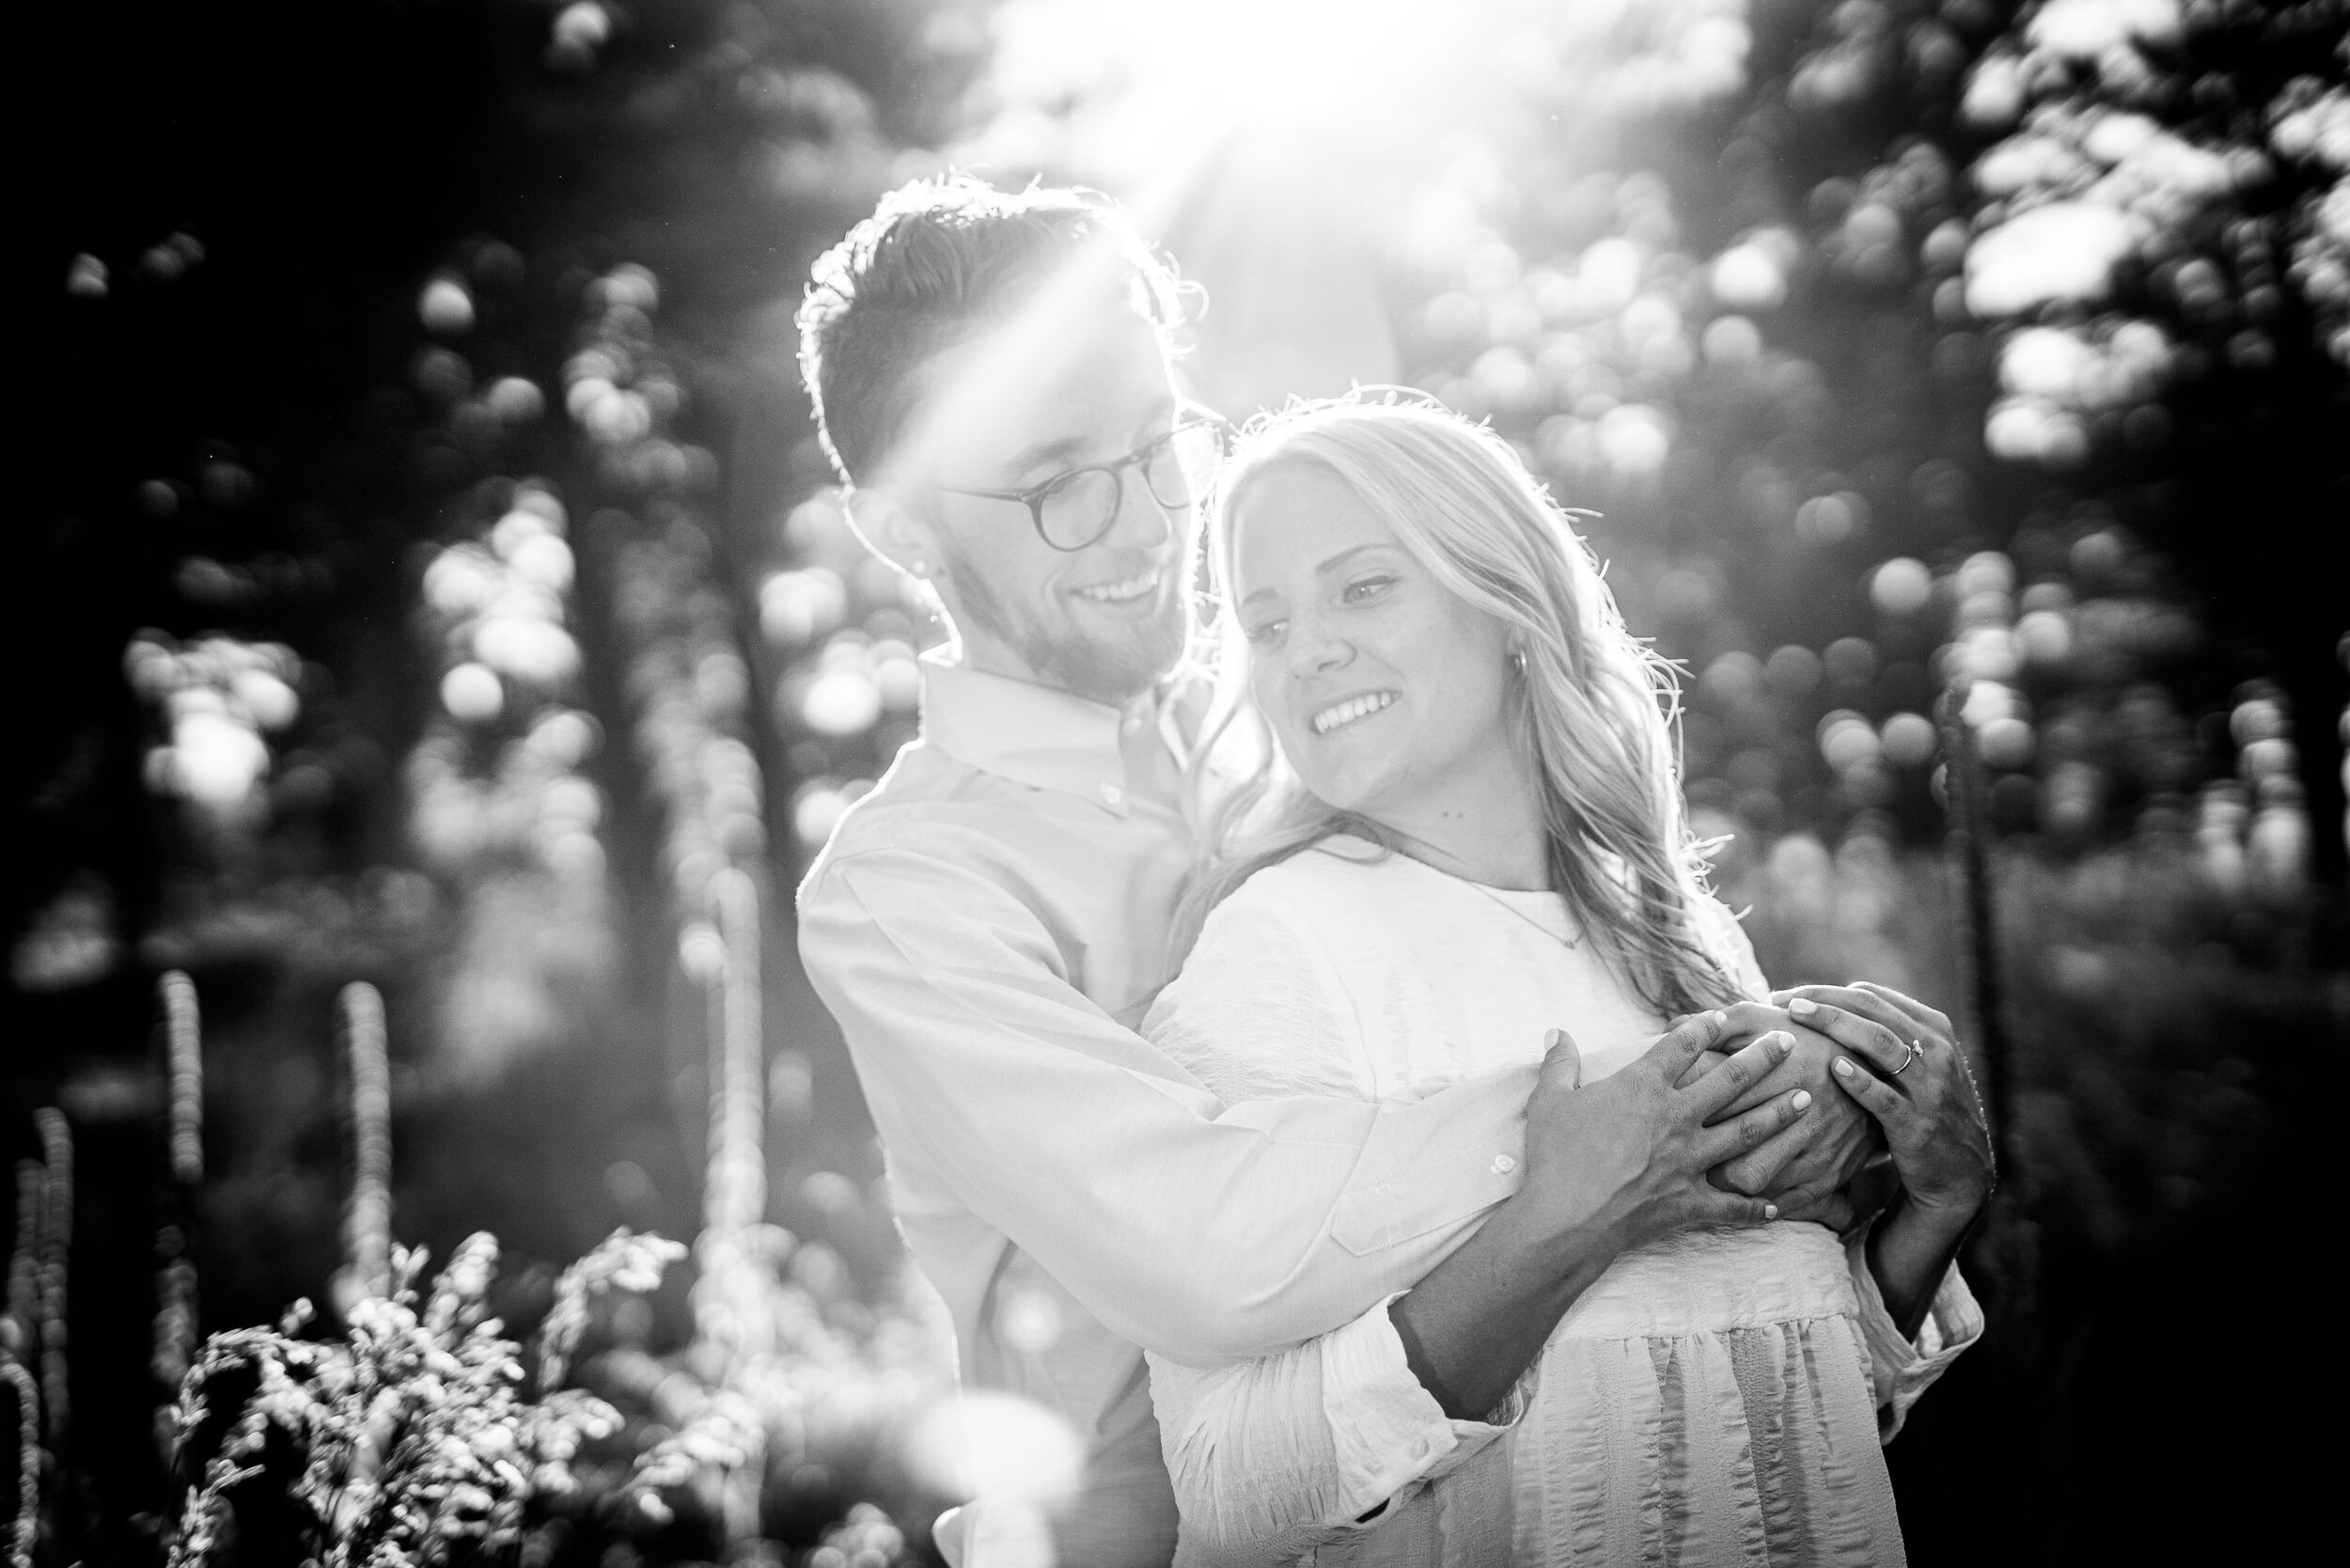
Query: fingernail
[[1803, 1007], [1770, 1211], [1551, 1039], [1843, 1068], [1784, 1044], [1803, 1098], [1717, 1019]]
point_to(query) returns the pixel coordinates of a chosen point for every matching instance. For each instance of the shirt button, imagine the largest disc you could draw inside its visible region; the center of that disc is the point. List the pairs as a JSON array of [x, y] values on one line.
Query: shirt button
[[1112, 793], [1504, 1164], [1421, 1448]]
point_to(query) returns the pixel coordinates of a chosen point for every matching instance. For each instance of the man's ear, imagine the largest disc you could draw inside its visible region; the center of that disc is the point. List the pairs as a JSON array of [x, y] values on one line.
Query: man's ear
[[898, 533]]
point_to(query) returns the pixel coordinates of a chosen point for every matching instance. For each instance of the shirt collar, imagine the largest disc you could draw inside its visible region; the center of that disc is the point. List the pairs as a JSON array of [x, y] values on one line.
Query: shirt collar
[[1032, 734]]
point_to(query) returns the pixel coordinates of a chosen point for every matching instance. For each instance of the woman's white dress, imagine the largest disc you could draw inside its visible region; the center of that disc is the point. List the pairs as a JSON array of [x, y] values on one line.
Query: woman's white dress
[[1719, 1397]]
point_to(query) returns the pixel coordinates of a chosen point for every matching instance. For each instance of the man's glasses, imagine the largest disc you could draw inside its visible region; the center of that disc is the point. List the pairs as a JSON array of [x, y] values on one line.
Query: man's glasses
[[1074, 508]]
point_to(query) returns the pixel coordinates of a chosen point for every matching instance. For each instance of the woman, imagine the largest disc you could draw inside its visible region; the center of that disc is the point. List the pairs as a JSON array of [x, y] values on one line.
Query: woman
[[1448, 815]]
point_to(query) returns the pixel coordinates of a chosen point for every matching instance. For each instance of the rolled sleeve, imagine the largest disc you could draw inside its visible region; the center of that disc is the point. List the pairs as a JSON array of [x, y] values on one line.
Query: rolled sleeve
[[1389, 1430], [1902, 1368], [1275, 1457]]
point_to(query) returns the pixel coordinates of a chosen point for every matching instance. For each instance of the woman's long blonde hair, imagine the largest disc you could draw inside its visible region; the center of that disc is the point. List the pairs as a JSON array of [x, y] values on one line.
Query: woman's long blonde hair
[[1593, 707]]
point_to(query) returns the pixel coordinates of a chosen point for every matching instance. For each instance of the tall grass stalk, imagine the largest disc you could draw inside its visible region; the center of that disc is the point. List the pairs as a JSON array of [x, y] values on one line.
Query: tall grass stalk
[[183, 1045], [731, 1304], [56, 1241], [1974, 940], [367, 1218], [175, 1270], [26, 1534], [32, 1201], [737, 1195], [23, 1340]]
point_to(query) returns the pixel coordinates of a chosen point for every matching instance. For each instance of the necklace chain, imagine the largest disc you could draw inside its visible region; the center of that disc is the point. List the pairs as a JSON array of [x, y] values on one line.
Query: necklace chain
[[1570, 942]]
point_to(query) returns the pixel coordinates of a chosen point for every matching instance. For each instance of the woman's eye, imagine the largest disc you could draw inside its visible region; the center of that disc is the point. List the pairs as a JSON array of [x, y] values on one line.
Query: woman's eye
[[1364, 588], [1263, 631]]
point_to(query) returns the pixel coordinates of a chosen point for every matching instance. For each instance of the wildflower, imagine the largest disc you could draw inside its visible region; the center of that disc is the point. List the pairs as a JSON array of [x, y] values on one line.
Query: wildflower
[[411, 1435]]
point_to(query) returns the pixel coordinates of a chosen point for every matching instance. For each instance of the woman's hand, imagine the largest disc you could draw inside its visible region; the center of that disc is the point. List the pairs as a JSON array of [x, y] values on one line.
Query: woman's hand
[[1839, 1140], [1920, 1089], [1623, 1161]]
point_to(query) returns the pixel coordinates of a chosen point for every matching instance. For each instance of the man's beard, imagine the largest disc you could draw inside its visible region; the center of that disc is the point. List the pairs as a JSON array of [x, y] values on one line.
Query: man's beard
[[1109, 666]]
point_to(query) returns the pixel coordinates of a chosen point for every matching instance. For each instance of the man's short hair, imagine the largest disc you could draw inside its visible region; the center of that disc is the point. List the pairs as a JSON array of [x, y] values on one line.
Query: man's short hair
[[936, 261]]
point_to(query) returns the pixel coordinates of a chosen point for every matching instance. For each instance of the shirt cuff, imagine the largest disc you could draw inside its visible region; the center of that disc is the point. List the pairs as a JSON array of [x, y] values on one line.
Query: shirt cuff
[[1902, 1368], [1391, 1435]]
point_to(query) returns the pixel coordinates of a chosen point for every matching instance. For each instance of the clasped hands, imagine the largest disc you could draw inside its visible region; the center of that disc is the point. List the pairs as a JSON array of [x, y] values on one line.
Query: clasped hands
[[1731, 1117], [1832, 1165], [1807, 1167], [1719, 1124], [1762, 1111]]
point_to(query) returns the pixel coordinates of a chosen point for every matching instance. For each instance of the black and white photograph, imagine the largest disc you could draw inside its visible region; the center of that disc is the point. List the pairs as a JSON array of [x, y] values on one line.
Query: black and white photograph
[[1177, 784]]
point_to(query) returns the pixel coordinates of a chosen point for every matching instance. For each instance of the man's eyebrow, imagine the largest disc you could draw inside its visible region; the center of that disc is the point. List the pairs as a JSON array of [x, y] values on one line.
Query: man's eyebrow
[[1060, 450], [1055, 450], [1156, 421]]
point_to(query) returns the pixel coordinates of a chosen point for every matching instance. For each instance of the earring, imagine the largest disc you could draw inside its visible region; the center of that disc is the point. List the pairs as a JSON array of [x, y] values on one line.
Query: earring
[[1517, 660], [919, 567]]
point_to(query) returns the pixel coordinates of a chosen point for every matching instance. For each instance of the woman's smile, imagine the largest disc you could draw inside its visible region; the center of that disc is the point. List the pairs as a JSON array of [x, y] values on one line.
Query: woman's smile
[[1347, 711]]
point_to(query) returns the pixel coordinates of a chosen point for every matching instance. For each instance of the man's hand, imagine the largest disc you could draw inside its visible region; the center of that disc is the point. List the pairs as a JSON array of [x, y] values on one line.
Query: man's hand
[[1805, 1167], [1628, 1159]]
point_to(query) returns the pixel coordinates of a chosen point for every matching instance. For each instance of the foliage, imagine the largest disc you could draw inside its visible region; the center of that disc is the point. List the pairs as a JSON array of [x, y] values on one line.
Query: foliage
[[410, 1442]]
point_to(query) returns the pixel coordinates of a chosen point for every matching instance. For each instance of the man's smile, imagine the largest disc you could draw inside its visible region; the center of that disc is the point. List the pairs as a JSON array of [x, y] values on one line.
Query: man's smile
[[1124, 590]]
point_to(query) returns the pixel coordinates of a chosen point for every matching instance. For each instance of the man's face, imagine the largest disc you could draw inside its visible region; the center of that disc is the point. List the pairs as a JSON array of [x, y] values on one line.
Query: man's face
[[1105, 622]]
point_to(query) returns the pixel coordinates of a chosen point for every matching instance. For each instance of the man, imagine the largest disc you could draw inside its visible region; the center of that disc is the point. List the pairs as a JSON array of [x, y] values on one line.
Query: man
[[991, 375]]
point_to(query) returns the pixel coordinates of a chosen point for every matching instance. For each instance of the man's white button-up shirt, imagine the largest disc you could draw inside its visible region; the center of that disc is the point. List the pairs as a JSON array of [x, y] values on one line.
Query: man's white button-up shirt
[[987, 925]]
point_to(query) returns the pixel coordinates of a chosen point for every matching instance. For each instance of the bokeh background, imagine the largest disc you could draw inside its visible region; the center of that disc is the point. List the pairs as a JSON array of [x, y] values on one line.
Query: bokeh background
[[423, 574]]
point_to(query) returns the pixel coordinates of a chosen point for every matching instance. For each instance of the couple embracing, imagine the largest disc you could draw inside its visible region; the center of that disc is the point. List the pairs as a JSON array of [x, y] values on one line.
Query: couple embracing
[[1307, 1058]]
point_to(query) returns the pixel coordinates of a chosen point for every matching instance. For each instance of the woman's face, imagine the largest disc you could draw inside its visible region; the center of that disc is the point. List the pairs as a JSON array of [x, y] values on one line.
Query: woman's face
[[1386, 692]]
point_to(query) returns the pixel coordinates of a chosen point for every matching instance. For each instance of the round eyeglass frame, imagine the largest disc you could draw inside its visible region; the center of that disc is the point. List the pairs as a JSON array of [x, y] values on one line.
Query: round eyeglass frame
[[1035, 496]]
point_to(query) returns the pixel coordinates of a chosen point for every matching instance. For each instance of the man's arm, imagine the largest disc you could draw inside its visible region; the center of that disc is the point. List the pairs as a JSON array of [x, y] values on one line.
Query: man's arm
[[1205, 1232], [1908, 1351]]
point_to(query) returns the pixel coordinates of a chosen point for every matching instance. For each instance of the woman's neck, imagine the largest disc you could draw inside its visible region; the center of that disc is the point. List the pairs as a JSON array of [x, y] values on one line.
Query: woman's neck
[[1483, 825]]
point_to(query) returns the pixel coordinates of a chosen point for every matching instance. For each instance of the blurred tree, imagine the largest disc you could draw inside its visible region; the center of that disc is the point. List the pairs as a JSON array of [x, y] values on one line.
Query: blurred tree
[[2163, 231]]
